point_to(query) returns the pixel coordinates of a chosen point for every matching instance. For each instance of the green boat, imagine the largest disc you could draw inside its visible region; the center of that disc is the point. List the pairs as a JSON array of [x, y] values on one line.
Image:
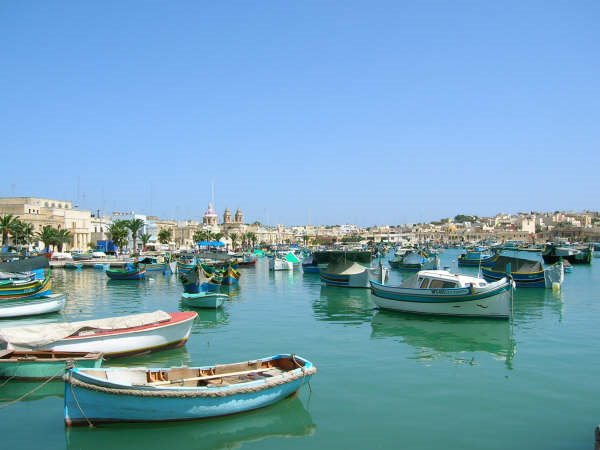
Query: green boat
[[43, 365]]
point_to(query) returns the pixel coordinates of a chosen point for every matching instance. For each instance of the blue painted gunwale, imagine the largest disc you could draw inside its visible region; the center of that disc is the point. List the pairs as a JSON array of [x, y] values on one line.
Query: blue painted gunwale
[[101, 406], [533, 279]]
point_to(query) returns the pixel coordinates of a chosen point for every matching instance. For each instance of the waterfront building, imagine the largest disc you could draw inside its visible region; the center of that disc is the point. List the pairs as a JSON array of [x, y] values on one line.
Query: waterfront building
[[59, 214]]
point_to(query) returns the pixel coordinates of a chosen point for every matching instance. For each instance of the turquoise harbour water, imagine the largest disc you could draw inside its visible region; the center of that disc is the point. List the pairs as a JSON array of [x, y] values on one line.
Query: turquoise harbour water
[[384, 380]]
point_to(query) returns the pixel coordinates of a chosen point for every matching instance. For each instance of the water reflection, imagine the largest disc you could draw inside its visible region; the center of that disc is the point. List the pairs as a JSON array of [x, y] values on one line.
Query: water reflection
[[531, 304], [433, 337], [173, 357], [32, 390], [285, 419], [350, 306]]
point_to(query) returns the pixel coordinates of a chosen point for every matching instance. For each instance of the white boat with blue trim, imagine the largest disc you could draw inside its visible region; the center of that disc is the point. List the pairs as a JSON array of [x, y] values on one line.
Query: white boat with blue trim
[[121, 394], [439, 292]]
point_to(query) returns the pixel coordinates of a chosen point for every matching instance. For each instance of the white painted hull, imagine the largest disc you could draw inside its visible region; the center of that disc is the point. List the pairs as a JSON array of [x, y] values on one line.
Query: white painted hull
[[129, 342], [498, 306], [280, 264], [34, 306], [356, 280], [554, 274]]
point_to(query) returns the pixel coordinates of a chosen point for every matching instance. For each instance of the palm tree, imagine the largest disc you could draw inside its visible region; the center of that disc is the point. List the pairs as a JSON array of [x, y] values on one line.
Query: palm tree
[[7, 224], [118, 233], [251, 238], [145, 238], [165, 235], [47, 236], [199, 235], [218, 236], [63, 237], [234, 237], [135, 225]]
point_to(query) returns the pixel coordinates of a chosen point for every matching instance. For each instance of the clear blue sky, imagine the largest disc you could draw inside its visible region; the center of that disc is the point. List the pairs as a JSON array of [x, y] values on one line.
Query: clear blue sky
[[371, 112]]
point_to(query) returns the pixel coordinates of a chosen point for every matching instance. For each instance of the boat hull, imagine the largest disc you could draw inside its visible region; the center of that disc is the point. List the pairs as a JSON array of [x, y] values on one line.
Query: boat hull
[[33, 306], [357, 280], [33, 368], [96, 400], [203, 300], [122, 275], [495, 303], [129, 341]]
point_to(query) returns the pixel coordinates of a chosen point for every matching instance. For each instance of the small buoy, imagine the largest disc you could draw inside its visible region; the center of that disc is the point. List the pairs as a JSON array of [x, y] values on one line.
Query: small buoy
[[556, 286]]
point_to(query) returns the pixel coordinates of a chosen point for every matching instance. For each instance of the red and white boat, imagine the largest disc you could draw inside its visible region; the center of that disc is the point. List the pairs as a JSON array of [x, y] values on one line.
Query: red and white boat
[[113, 336]]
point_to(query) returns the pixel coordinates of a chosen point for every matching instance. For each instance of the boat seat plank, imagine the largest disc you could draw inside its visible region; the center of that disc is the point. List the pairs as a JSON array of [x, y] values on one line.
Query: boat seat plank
[[210, 377]]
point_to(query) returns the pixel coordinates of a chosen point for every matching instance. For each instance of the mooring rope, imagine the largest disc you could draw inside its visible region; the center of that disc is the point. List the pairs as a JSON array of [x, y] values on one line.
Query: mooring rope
[[31, 391], [7, 380], [275, 381], [90, 424]]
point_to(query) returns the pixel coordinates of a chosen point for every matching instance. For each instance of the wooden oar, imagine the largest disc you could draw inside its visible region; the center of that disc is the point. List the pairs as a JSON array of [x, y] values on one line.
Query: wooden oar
[[209, 377]]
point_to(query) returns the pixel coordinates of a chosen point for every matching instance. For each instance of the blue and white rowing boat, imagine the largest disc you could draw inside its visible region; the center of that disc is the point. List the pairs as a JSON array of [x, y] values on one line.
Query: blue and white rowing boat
[[120, 394]]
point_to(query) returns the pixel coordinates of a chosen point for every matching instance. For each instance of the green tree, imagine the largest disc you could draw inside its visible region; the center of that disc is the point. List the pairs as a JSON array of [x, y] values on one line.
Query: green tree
[[135, 225], [460, 218], [118, 233], [250, 238], [144, 239], [7, 224], [198, 236], [218, 236], [234, 238], [62, 237], [22, 233], [48, 236], [165, 235]]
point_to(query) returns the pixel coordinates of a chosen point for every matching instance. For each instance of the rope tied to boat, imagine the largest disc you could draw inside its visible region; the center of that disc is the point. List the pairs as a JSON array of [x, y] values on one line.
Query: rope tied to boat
[[28, 393], [68, 378], [163, 393]]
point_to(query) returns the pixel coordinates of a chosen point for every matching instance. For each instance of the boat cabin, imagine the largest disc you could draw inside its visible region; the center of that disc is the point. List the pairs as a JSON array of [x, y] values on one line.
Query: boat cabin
[[442, 279]]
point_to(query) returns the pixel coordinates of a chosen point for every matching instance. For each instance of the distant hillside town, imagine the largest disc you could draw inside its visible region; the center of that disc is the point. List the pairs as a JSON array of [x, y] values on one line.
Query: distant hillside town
[[82, 230]]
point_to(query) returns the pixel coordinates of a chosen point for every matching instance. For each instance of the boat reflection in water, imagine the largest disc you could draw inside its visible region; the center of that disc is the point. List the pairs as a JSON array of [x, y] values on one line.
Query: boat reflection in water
[[25, 391], [530, 305], [285, 419], [173, 357], [455, 337], [350, 306]]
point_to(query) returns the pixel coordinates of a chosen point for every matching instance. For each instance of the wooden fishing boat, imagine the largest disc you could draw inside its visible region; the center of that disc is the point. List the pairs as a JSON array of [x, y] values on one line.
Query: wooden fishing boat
[[439, 292], [36, 288], [203, 299], [113, 336], [475, 257], [352, 274], [43, 365], [277, 263], [33, 306], [414, 260], [181, 393], [525, 272], [152, 264], [574, 254], [230, 276], [127, 273]]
